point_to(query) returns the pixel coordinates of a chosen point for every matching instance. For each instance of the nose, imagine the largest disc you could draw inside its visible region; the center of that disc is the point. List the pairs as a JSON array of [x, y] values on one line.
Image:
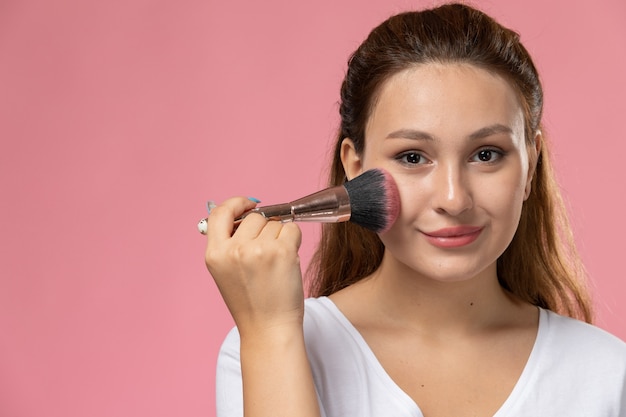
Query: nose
[[452, 194]]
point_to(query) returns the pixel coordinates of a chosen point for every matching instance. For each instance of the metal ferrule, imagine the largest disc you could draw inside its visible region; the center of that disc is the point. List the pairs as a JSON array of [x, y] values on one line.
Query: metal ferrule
[[328, 206]]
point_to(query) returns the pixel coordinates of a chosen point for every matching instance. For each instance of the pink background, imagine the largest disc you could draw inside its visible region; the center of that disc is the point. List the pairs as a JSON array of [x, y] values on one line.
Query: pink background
[[118, 119]]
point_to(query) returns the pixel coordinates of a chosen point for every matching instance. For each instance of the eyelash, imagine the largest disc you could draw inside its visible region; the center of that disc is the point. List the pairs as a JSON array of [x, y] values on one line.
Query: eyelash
[[402, 158], [421, 159], [493, 151]]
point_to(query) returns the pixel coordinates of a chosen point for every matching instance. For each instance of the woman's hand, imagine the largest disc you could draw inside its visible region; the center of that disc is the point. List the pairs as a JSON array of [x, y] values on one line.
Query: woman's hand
[[256, 268]]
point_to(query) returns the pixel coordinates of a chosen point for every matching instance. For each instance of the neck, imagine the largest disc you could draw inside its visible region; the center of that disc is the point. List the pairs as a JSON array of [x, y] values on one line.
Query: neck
[[400, 297]]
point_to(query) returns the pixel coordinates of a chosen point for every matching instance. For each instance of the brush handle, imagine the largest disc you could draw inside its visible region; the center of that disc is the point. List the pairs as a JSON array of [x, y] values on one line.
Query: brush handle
[[280, 212], [327, 206]]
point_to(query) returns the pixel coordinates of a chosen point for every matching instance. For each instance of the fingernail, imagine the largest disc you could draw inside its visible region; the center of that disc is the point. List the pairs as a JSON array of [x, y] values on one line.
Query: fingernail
[[210, 205], [254, 200]]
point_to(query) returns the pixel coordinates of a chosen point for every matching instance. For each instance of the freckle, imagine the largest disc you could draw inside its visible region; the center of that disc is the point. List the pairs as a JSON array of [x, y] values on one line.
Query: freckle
[[422, 385]]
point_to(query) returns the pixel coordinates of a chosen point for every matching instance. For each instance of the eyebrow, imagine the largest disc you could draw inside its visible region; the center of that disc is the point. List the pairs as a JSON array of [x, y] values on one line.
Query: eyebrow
[[479, 134], [410, 134], [491, 130]]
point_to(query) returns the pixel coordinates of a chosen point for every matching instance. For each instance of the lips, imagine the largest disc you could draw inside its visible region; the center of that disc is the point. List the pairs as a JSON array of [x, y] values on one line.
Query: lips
[[453, 237]]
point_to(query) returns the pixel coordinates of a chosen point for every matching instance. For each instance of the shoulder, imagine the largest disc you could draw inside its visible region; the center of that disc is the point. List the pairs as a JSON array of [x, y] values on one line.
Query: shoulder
[[325, 345], [334, 351], [228, 383], [230, 345], [320, 312], [578, 349], [574, 367], [578, 336], [323, 325]]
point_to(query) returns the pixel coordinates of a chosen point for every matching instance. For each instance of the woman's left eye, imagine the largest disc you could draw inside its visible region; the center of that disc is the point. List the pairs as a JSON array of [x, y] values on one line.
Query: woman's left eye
[[411, 158], [487, 155]]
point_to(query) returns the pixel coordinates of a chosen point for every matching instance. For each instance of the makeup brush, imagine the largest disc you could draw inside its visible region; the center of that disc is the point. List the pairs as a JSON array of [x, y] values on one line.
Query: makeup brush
[[370, 200]]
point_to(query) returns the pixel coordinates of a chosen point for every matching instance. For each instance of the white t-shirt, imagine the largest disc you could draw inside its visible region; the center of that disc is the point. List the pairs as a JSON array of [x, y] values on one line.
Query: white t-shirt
[[574, 370]]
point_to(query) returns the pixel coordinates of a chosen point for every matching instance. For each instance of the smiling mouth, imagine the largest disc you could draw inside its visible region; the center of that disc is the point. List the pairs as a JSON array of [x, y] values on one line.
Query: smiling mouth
[[453, 237]]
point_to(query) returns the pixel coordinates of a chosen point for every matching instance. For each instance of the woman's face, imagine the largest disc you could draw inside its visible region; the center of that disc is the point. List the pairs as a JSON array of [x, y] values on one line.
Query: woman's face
[[452, 136]]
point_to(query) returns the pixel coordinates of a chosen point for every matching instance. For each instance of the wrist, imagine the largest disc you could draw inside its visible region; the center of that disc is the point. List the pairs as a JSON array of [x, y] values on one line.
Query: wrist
[[271, 334]]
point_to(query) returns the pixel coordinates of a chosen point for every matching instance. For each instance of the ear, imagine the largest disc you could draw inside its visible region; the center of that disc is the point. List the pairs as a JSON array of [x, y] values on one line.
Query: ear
[[533, 168], [350, 159]]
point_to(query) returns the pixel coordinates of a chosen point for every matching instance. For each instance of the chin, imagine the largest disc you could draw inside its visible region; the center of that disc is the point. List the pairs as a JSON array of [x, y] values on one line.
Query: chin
[[453, 271]]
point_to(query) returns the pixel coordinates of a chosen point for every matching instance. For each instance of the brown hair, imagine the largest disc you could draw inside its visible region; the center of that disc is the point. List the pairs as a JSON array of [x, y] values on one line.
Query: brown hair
[[541, 265]]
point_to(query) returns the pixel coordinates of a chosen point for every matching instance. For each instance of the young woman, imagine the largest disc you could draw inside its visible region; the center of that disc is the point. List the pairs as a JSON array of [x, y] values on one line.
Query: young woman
[[473, 303]]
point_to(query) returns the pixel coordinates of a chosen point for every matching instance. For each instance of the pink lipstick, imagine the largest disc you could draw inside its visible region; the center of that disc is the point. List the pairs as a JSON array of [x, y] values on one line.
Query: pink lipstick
[[453, 237]]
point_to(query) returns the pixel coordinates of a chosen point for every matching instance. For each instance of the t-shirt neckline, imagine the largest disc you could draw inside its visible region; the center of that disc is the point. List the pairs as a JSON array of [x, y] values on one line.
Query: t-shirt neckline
[[514, 396]]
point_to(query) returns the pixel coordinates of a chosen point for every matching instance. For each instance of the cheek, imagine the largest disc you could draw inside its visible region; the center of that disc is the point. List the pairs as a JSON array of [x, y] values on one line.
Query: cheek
[[414, 197], [503, 196]]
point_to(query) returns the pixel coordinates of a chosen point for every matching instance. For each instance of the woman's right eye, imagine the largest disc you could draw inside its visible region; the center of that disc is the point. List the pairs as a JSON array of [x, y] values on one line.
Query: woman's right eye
[[411, 158]]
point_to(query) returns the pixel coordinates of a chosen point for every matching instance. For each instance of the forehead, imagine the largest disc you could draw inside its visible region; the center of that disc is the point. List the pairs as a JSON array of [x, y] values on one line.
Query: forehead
[[445, 100]]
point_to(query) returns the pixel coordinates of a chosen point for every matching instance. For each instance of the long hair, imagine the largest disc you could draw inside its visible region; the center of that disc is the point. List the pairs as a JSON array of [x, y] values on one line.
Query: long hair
[[541, 265]]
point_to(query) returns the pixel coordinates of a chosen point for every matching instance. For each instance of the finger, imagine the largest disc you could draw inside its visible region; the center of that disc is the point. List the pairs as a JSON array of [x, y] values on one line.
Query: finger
[[291, 232], [220, 223], [271, 230], [250, 226]]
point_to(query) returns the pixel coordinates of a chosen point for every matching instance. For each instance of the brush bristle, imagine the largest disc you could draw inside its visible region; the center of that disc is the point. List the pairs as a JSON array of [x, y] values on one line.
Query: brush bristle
[[374, 200]]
